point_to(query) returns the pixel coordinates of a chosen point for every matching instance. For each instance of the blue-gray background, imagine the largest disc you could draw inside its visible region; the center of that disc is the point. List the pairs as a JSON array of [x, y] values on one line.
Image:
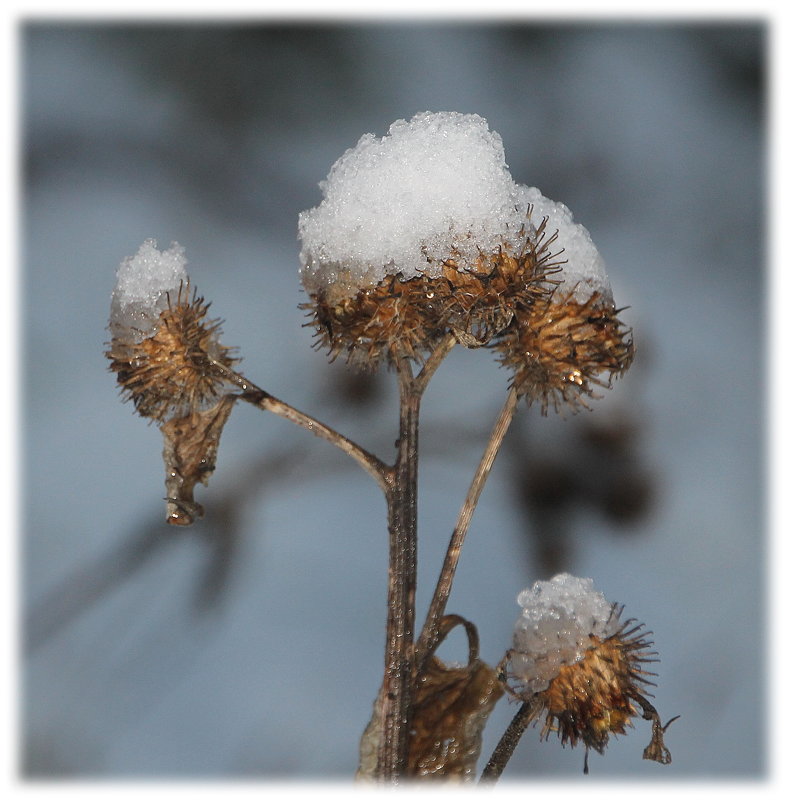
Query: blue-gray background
[[251, 645]]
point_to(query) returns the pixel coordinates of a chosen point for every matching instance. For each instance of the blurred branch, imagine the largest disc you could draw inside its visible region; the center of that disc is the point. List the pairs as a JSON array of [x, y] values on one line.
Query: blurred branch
[[83, 588]]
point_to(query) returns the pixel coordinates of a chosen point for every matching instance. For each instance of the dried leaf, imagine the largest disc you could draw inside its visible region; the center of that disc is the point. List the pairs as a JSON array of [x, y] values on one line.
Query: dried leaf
[[450, 710], [190, 446], [656, 749], [370, 743]]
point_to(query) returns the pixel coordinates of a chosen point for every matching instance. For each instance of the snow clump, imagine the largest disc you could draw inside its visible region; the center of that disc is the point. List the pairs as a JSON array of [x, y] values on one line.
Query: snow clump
[[582, 269], [558, 618], [143, 283], [436, 187]]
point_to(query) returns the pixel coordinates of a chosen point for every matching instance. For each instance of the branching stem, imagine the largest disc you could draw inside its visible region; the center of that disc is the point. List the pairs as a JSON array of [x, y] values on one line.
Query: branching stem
[[433, 362], [402, 504], [382, 473], [397, 689]]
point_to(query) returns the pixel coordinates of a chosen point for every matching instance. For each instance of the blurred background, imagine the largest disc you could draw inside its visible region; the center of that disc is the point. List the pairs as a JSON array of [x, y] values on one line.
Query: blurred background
[[251, 645]]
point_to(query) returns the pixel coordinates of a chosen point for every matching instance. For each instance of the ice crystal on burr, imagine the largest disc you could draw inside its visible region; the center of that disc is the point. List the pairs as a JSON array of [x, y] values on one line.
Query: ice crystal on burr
[[578, 664], [424, 232], [571, 340], [170, 364], [167, 356], [419, 233]]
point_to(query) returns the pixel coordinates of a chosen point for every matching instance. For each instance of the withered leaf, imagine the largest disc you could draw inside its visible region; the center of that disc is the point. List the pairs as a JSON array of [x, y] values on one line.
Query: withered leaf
[[190, 446], [656, 749], [450, 709]]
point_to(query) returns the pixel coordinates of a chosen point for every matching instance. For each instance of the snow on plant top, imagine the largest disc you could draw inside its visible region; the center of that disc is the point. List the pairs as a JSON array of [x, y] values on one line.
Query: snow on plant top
[[554, 628], [143, 281], [434, 184], [436, 187], [583, 270]]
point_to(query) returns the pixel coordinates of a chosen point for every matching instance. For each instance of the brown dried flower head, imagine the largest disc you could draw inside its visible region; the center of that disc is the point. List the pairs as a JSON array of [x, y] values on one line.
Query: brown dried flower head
[[581, 668], [563, 347], [398, 318], [392, 319], [177, 368], [421, 233], [424, 232], [597, 696], [170, 364], [479, 301]]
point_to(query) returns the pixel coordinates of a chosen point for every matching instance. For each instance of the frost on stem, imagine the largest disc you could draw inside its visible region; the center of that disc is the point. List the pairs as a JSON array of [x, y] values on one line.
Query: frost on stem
[[574, 660], [170, 364], [424, 232]]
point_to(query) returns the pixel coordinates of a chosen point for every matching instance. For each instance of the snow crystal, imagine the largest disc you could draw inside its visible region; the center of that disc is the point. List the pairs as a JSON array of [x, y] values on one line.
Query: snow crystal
[[436, 187], [143, 281], [583, 270], [554, 628]]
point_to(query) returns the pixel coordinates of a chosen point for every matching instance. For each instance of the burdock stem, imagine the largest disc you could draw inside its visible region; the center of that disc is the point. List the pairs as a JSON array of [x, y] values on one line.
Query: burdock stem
[[431, 631], [431, 365], [402, 507], [506, 745], [397, 689], [252, 394]]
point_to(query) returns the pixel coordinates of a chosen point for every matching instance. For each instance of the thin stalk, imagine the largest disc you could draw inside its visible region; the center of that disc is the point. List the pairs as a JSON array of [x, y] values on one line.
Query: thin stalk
[[382, 473], [430, 632], [506, 745], [402, 496], [396, 691], [433, 362]]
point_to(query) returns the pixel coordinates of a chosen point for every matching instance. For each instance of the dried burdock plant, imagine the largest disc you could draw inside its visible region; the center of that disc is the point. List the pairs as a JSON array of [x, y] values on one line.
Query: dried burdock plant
[[572, 339], [170, 364], [393, 319], [422, 241], [451, 705], [563, 348], [576, 664], [191, 443], [167, 356]]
